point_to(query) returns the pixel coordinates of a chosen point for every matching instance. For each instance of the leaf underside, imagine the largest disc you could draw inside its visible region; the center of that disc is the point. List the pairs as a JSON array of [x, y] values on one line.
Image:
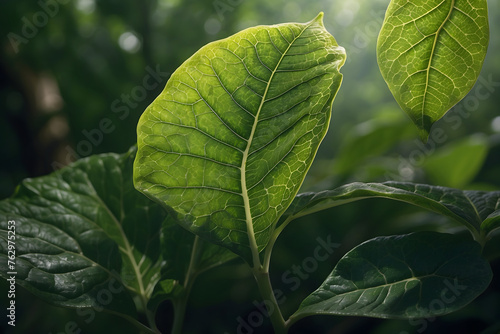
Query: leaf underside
[[81, 235], [227, 144], [418, 275], [430, 54]]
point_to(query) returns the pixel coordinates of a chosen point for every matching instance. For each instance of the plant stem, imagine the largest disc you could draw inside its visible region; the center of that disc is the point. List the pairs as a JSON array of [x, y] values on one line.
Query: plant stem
[[140, 326], [180, 302], [179, 313], [272, 241], [151, 321], [266, 291]]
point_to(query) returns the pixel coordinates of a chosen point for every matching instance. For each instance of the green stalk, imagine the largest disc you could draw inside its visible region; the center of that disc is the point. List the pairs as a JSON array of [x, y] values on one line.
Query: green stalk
[[272, 241], [266, 291], [140, 326], [261, 274], [179, 313], [151, 320], [180, 302]]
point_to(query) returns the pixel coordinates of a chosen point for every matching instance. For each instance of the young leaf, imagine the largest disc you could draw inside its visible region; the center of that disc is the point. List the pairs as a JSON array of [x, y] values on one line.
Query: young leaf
[[430, 54], [418, 275], [227, 144], [492, 222], [167, 289], [468, 207], [84, 236]]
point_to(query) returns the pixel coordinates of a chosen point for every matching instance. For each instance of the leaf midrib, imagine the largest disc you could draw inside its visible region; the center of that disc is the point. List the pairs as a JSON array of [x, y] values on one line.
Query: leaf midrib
[[127, 249], [244, 191], [362, 290], [431, 58]]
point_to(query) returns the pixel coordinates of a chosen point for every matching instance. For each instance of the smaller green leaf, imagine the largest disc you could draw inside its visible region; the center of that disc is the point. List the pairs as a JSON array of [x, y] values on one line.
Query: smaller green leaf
[[492, 222], [167, 289], [368, 140], [468, 207], [430, 54], [455, 165], [418, 275]]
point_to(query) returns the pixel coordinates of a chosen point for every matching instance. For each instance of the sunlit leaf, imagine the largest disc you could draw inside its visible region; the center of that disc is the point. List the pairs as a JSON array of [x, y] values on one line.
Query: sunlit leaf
[[227, 144], [430, 54], [418, 275]]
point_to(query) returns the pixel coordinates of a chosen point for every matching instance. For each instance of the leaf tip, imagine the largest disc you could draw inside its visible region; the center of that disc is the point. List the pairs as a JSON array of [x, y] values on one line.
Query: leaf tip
[[319, 18], [424, 135]]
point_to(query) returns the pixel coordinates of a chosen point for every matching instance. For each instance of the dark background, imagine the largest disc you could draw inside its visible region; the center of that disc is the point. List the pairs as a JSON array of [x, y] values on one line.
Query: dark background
[[72, 84]]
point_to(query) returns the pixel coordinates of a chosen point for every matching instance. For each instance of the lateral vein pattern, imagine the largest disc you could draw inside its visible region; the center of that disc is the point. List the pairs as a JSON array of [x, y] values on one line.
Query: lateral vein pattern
[[227, 144]]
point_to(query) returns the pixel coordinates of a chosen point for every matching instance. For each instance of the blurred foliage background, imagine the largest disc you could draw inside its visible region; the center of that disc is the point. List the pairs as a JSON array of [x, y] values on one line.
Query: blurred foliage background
[[76, 75]]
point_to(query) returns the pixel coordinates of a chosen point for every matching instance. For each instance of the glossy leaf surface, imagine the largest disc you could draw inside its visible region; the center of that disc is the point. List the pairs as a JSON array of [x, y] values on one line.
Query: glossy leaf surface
[[468, 207], [85, 236], [418, 275]]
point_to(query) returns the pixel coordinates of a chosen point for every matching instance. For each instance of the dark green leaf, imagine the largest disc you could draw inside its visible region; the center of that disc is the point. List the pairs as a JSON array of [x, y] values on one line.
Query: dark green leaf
[[493, 220], [227, 144], [84, 234], [165, 289], [468, 207], [430, 54], [418, 275]]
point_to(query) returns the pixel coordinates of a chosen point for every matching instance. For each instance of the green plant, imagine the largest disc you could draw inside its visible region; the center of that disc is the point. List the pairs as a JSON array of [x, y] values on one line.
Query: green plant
[[222, 153]]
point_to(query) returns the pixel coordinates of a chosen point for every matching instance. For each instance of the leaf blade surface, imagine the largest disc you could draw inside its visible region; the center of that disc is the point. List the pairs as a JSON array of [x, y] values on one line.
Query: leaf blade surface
[[418, 275], [84, 236], [430, 54], [227, 144], [468, 207]]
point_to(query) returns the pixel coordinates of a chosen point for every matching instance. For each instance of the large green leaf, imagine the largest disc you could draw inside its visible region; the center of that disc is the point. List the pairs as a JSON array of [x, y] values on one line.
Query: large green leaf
[[418, 275], [430, 54], [227, 144], [468, 207], [85, 236]]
